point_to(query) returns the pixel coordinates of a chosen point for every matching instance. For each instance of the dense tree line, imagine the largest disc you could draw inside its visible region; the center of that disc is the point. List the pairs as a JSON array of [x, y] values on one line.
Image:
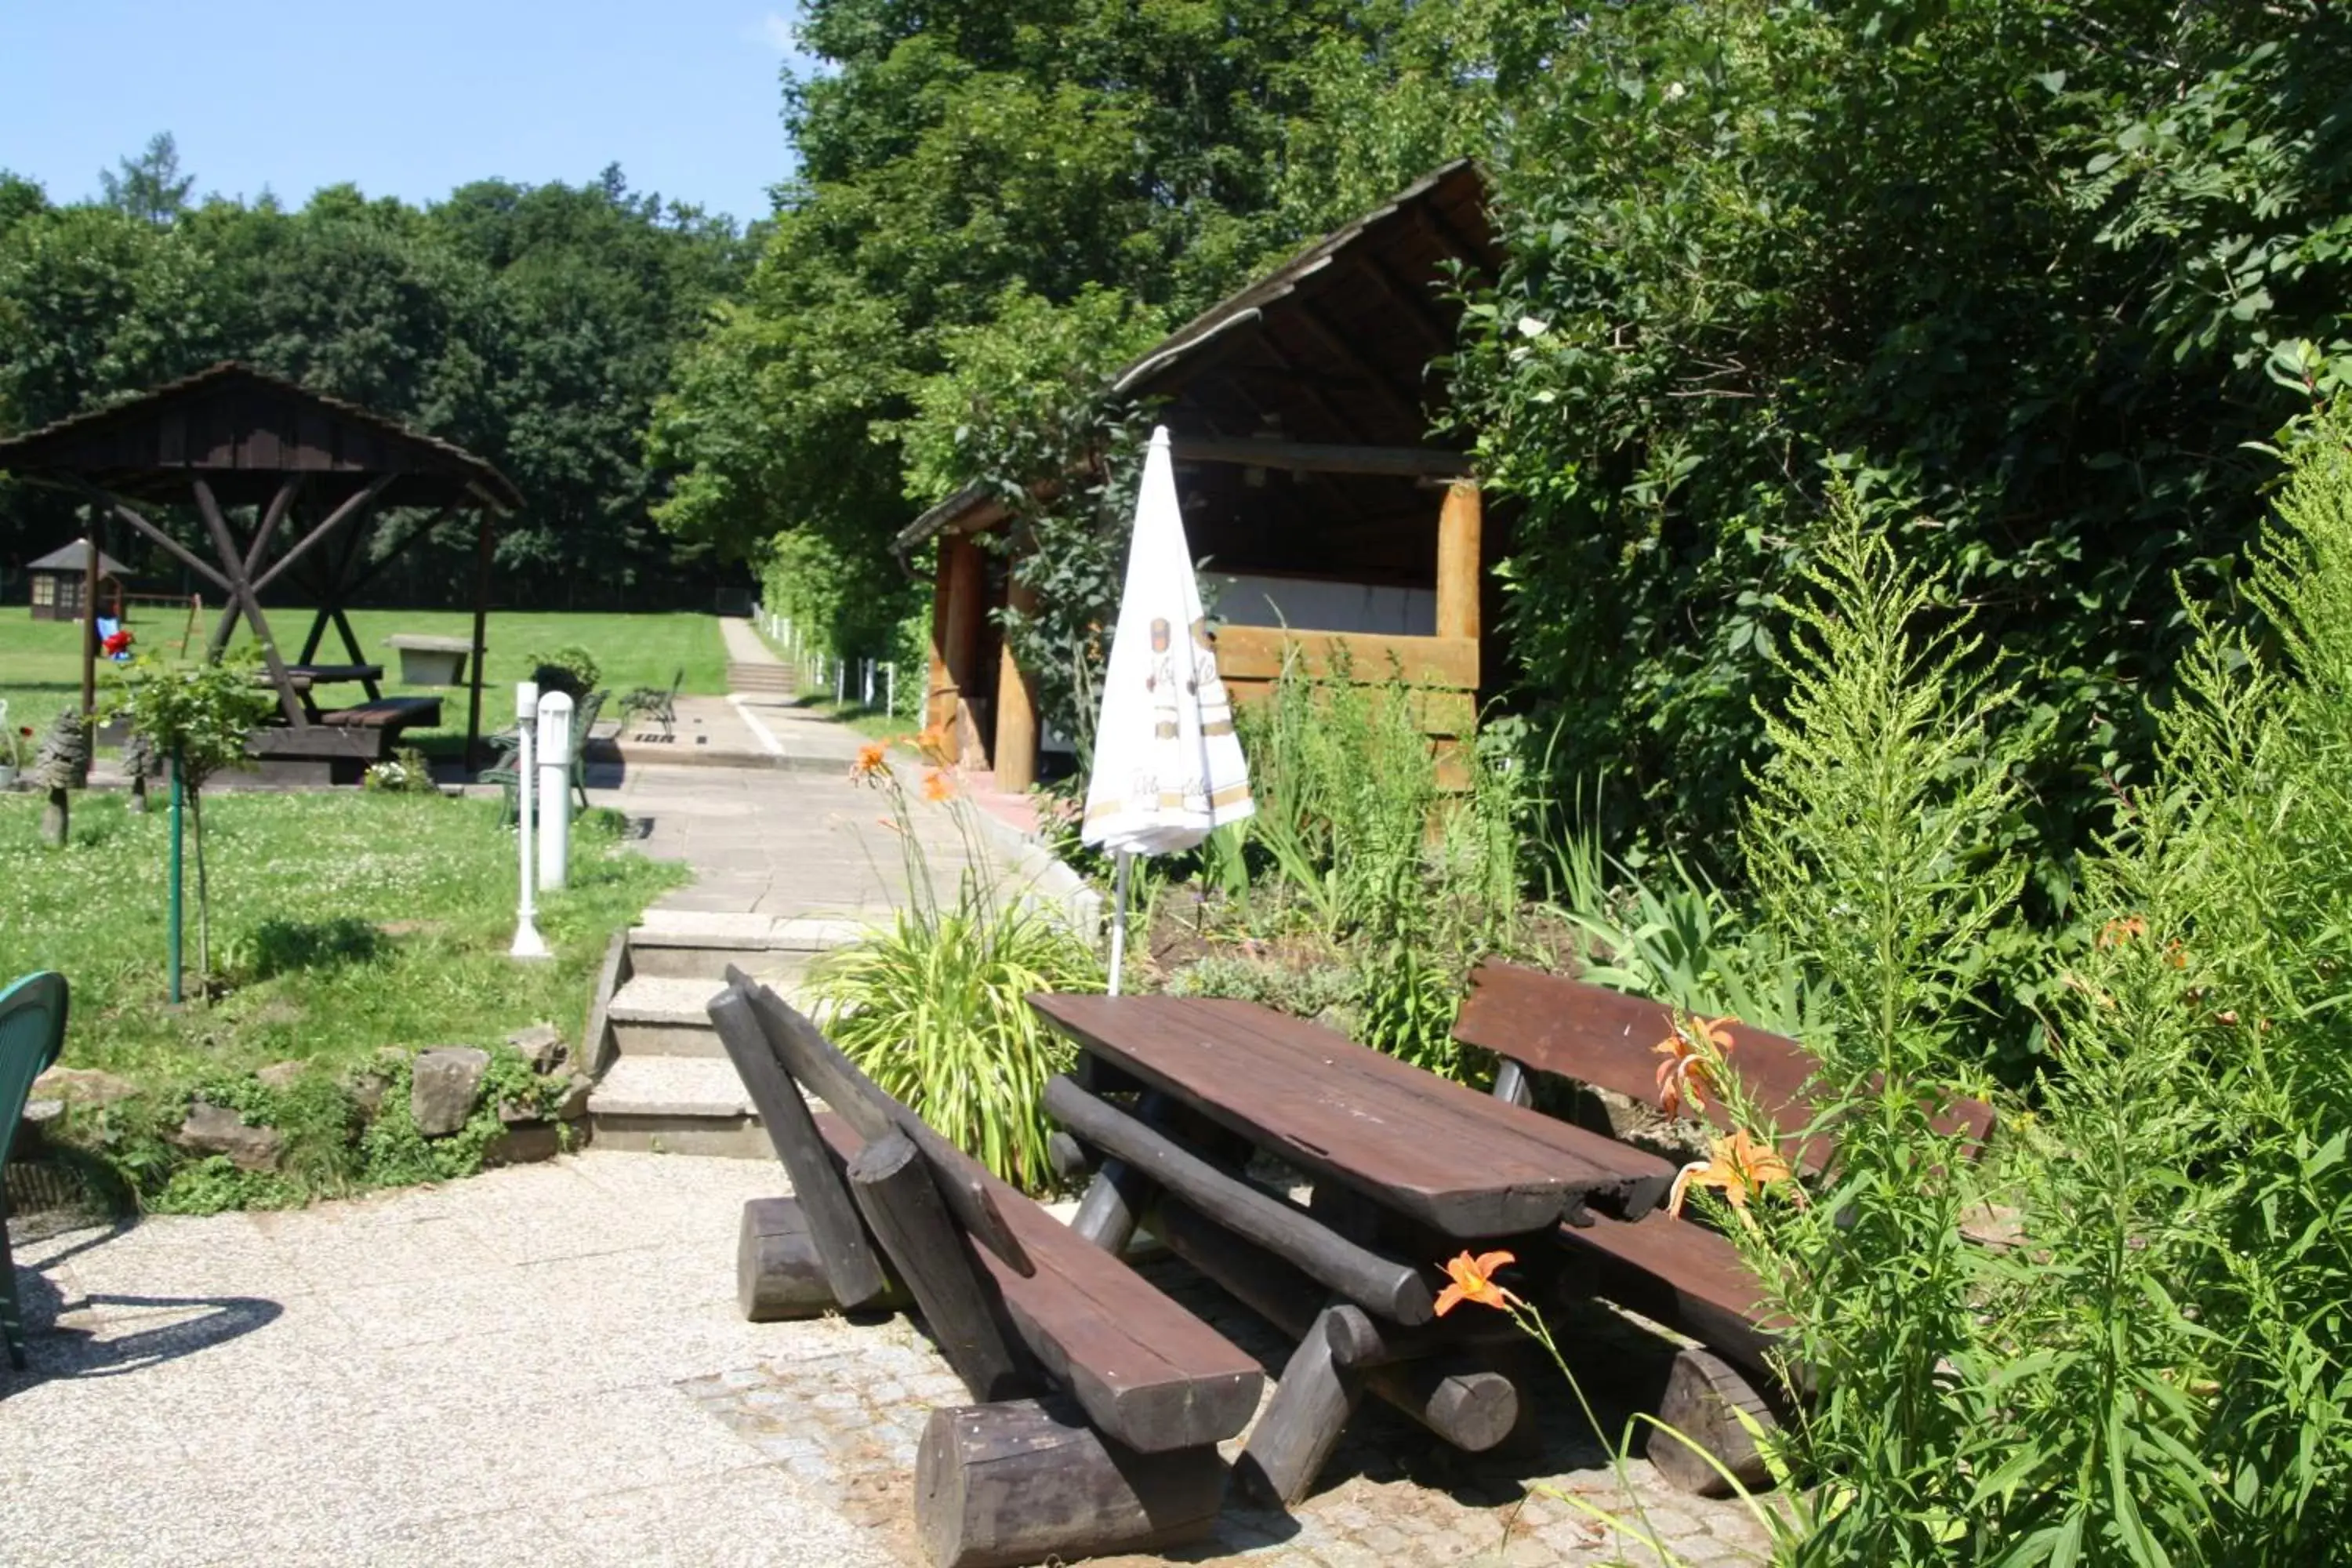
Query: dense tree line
[[2045, 281], [532, 324]]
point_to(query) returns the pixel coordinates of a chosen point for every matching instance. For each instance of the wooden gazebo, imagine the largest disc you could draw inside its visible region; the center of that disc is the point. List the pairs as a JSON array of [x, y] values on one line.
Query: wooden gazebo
[[289, 485], [1349, 539]]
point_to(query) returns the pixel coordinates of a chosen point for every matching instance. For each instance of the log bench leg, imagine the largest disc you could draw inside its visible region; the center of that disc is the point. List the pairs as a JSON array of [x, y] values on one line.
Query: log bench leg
[[1027, 1480], [781, 1276], [1704, 1398], [1300, 1427]]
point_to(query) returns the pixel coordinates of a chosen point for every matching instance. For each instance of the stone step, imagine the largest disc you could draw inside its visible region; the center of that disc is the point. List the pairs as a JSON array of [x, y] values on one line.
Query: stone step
[[676, 1105], [692, 943], [664, 1015], [748, 677]]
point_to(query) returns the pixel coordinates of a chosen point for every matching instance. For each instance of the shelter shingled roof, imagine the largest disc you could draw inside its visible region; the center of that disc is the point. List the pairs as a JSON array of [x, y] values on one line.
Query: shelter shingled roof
[[245, 432], [1333, 346], [75, 557]]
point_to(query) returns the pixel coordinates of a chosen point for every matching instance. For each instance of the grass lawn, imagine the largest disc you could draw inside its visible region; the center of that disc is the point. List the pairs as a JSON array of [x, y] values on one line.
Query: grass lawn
[[40, 661], [342, 923]]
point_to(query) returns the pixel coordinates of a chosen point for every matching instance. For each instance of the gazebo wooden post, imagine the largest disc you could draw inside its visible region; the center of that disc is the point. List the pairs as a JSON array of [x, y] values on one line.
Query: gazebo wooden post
[[1459, 526], [966, 583], [1016, 699], [939, 705], [90, 623], [482, 553]]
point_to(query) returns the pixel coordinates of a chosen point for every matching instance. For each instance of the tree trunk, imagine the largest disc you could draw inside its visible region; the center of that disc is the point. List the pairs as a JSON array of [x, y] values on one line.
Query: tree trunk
[[204, 901], [56, 820], [138, 801]]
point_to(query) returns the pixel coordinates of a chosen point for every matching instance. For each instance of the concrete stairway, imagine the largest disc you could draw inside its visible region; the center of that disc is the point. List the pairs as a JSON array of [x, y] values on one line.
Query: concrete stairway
[[669, 1087], [754, 678]]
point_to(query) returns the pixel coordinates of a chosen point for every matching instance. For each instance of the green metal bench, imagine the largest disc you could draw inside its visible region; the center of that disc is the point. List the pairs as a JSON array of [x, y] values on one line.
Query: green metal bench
[[503, 773]]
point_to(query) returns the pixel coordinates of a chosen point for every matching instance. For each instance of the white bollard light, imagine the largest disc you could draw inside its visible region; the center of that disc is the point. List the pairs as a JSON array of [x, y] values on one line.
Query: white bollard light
[[528, 942], [555, 788]]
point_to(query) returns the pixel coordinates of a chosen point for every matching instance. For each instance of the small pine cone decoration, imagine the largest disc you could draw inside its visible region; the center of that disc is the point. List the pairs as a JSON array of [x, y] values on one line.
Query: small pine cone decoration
[[64, 759]]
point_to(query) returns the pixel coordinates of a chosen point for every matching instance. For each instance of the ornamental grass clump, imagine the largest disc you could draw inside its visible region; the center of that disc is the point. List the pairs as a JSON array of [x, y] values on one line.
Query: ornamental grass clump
[[934, 1007]]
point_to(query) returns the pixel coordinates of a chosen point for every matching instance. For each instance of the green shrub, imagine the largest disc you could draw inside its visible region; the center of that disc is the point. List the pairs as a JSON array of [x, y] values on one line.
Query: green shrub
[[1358, 841], [1866, 843], [570, 669]]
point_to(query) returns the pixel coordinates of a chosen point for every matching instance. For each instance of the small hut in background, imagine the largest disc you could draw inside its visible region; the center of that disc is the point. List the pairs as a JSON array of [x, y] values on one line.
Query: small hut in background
[[60, 577], [1338, 533]]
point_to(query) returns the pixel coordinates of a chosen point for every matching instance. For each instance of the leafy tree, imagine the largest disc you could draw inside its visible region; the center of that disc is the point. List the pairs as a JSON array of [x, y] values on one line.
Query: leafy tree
[[2017, 265], [196, 715], [970, 168], [148, 187]]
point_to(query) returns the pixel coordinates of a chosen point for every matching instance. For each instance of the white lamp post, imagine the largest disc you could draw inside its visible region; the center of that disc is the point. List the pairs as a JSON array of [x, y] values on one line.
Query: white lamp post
[[528, 942], [555, 788]]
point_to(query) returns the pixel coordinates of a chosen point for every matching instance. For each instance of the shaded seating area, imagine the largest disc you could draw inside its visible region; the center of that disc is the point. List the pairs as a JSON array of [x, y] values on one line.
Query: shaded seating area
[[293, 487]]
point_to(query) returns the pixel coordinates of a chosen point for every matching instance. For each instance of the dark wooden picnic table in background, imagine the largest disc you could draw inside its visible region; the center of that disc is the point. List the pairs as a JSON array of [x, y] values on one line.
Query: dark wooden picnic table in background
[[1406, 1169]]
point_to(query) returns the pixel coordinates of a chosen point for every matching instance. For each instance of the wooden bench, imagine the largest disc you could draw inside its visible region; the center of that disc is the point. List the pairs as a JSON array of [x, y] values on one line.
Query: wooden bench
[[1674, 1272], [342, 745], [1120, 1453]]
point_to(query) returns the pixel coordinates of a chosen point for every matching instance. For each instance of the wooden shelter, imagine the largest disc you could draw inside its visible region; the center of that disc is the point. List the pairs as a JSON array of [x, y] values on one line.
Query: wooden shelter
[[1341, 534], [289, 485], [62, 580]]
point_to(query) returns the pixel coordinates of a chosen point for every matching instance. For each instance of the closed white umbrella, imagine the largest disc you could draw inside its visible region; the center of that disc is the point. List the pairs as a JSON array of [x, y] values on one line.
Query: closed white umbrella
[[1167, 767]]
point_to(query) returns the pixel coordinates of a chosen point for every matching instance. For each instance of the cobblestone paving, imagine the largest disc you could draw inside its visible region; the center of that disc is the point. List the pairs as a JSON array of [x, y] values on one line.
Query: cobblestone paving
[[845, 1420]]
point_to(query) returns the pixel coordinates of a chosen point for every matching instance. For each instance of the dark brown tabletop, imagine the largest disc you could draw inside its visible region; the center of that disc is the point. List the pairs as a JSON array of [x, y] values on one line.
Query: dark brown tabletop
[[1463, 1162]]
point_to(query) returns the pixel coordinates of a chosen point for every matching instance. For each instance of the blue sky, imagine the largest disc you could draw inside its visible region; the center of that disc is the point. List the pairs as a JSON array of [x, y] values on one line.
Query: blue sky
[[408, 98]]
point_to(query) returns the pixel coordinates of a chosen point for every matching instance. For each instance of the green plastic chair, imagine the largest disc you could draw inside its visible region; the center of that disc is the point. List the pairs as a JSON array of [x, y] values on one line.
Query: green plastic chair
[[32, 1032]]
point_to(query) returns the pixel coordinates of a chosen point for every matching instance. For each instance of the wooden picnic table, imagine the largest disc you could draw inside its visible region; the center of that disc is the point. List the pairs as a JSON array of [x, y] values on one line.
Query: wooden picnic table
[[1175, 1094]]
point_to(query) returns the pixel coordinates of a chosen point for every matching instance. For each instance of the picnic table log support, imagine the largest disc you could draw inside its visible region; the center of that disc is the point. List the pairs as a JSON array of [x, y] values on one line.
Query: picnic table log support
[[894, 1189], [1113, 1206], [817, 1062], [1294, 1439], [852, 1270], [1379, 1284], [1028, 1481], [1115, 1200], [1470, 1404], [779, 1269]]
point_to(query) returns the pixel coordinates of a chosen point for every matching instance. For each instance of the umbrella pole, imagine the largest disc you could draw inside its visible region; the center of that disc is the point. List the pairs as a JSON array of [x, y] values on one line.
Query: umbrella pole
[[1118, 921]]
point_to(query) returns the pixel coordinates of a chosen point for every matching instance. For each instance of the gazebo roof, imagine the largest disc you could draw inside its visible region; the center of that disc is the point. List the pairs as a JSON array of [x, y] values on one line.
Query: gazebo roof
[[244, 432], [75, 557]]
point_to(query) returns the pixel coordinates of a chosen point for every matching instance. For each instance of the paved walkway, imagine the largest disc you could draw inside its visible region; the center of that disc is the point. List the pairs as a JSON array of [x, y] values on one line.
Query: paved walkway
[[544, 1365]]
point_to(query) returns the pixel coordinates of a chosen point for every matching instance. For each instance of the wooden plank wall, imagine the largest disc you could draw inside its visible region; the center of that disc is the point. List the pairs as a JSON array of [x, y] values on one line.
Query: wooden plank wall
[[1440, 675]]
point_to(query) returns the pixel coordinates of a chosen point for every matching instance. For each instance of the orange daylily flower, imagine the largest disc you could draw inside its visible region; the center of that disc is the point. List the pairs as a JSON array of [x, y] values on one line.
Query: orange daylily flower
[[1739, 1167], [2116, 932], [873, 761], [937, 746], [1473, 1281], [938, 784], [1682, 1075]]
